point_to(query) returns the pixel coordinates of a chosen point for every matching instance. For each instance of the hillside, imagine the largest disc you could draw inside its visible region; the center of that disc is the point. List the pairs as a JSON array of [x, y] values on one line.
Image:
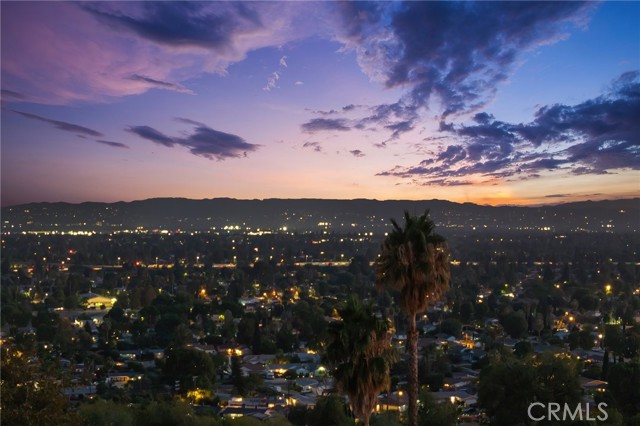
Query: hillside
[[313, 214]]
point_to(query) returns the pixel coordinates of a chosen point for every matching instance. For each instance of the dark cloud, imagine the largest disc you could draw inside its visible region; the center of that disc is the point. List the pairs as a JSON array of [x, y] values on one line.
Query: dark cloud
[[215, 144], [450, 54], [597, 136], [314, 145], [153, 135], [597, 194], [608, 123], [399, 128], [161, 84], [203, 141], [545, 164], [113, 144], [357, 153], [79, 131], [397, 117], [452, 154], [447, 182], [460, 51], [10, 95], [324, 124], [344, 109], [201, 24], [62, 125], [189, 121]]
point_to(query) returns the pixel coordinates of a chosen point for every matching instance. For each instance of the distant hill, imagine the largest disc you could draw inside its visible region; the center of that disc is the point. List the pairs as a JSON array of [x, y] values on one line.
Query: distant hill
[[315, 214]]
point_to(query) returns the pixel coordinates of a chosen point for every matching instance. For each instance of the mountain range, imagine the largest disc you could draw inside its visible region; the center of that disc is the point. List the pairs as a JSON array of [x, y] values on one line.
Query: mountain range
[[300, 215]]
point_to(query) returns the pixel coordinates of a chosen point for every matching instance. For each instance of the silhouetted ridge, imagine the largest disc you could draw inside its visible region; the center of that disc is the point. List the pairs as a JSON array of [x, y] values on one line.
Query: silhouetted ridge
[[313, 214]]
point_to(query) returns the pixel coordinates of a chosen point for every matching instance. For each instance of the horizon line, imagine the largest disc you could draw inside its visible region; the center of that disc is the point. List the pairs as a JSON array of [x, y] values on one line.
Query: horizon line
[[556, 203]]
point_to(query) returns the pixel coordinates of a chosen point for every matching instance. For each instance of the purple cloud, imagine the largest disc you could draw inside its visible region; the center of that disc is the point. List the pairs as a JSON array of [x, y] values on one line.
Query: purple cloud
[[452, 154], [159, 84], [313, 145], [399, 128], [80, 131], [153, 135], [597, 136], [10, 95], [460, 51], [113, 144], [203, 141], [451, 54], [326, 124], [357, 153], [62, 125], [162, 43], [181, 23], [212, 143]]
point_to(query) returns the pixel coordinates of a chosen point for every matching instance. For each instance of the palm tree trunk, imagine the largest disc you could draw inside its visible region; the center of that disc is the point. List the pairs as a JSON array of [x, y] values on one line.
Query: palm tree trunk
[[412, 340]]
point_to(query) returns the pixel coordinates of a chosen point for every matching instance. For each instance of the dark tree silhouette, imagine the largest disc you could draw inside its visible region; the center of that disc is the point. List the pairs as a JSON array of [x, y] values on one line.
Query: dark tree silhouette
[[415, 261]]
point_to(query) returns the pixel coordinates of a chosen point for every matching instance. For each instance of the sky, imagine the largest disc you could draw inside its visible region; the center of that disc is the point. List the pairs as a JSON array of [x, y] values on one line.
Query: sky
[[494, 103]]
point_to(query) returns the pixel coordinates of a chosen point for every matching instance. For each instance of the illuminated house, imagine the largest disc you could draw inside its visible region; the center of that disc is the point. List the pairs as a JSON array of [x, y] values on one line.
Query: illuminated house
[[94, 301], [395, 401]]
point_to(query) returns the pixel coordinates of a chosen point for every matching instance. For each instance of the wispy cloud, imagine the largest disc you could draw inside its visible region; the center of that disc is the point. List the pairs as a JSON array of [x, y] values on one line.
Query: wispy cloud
[[116, 49], [63, 125], [326, 124], [597, 194], [313, 145], [153, 135], [10, 95], [203, 141], [598, 136], [113, 144], [357, 153], [159, 84], [80, 131], [272, 81]]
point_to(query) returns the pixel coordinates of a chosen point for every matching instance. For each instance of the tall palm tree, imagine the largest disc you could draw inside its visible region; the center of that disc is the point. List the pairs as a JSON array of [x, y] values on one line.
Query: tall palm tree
[[415, 261], [361, 354]]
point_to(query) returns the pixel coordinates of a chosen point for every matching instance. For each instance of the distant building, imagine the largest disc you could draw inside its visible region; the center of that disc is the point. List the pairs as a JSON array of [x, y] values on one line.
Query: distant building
[[395, 401], [121, 379], [94, 301]]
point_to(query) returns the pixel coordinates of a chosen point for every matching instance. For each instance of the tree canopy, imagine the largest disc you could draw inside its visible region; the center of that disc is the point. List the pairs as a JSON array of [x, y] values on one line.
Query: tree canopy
[[360, 352]]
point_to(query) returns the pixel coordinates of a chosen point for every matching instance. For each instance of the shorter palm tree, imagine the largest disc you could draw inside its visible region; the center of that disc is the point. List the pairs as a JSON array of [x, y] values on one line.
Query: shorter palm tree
[[360, 353]]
